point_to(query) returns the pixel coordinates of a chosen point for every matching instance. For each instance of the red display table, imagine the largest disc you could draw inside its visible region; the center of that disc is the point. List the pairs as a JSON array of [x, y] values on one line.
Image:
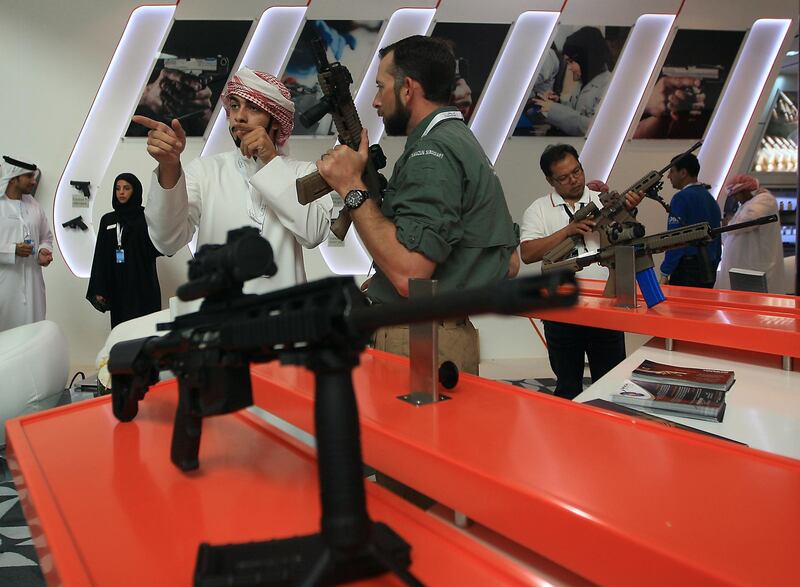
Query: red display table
[[107, 507], [614, 499], [763, 323]]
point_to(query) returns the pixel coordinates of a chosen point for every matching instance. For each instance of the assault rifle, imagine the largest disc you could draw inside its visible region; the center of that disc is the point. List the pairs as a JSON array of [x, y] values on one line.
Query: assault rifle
[[645, 247], [324, 326], [613, 221], [334, 80]]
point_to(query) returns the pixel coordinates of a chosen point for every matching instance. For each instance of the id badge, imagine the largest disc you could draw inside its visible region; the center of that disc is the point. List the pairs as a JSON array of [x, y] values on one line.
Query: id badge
[[120, 255]]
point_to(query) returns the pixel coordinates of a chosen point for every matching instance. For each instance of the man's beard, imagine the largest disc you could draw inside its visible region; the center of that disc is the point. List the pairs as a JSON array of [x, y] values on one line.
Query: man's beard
[[397, 123]]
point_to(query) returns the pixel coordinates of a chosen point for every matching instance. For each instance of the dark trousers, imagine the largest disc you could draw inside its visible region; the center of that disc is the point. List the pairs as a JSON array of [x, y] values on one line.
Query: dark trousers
[[693, 271], [566, 345]]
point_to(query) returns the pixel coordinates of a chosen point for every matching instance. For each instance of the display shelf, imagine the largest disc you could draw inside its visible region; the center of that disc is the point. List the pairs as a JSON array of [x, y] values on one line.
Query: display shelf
[[537, 457], [107, 507], [776, 153], [764, 323]]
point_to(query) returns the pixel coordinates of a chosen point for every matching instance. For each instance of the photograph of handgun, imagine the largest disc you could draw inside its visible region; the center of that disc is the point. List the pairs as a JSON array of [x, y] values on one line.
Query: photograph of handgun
[[189, 74]]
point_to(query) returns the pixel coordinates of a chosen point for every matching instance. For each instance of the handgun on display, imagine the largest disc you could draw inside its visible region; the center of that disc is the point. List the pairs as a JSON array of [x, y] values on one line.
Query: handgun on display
[[335, 79], [81, 186], [76, 222]]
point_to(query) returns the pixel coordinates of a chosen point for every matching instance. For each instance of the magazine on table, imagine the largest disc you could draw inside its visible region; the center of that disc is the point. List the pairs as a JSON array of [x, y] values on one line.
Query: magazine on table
[[676, 400], [611, 406], [693, 376]]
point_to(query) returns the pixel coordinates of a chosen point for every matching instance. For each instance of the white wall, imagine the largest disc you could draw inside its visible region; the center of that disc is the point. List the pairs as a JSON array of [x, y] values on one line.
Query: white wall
[[56, 53]]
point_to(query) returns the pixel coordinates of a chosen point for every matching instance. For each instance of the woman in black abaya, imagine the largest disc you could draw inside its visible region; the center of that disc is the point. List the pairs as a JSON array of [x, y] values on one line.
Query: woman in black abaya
[[124, 278]]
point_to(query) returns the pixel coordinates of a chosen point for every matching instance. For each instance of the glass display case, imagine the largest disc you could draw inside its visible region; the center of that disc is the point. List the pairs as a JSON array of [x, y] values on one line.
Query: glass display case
[[774, 160], [777, 151]]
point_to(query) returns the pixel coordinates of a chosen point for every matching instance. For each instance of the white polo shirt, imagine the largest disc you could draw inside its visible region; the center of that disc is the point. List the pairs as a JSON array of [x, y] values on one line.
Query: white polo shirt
[[548, 214]]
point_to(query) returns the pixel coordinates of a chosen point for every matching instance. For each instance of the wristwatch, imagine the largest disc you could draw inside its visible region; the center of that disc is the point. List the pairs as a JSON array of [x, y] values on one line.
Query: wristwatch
[[355, 198]]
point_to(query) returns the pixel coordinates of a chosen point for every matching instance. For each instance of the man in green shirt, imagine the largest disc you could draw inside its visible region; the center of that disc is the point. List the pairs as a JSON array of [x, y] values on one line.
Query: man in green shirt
[[443, 215]]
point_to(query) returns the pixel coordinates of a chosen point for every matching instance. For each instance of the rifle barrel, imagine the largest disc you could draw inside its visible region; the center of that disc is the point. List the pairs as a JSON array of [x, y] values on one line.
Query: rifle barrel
[[737, 226], [686, 152], [507, 297]]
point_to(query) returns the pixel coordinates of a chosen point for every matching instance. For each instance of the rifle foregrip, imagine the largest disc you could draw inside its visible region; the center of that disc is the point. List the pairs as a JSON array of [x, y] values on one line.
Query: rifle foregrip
[[341, 224], [561, 251], [311, 187]]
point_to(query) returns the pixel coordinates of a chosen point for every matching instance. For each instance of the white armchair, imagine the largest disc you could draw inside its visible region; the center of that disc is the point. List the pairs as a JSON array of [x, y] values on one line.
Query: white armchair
[[34, 365]]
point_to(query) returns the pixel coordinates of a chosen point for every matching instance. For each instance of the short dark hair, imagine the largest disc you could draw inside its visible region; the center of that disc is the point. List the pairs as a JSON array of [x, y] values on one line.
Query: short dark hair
[[427, 60], [688, 162], [553, 154]]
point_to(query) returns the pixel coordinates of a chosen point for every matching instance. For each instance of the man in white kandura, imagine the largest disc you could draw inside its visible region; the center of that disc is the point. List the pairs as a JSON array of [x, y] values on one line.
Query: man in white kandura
[[26, 245], [253, 185]]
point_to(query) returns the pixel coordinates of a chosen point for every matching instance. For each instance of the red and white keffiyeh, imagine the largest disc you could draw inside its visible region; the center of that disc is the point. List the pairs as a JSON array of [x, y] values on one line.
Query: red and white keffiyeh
[[268, 93], [741, 183]]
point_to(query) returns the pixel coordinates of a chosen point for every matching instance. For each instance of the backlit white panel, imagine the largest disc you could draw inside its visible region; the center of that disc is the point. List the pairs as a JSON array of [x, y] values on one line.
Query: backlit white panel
[[106, 122], [502, 99], [277, 28], [616, 113], [739, 100], [352, 258]]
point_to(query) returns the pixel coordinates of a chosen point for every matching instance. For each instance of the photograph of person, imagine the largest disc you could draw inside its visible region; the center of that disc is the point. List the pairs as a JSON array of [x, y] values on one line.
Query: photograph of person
[[689, 85], [476, 47], [571, 80], [350, 42], [190, 73]]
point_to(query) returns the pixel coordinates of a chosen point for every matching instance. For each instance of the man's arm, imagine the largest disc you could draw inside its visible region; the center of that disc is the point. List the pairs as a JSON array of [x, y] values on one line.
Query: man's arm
[[680, 208], [171, 220], [44, 255], [533, 250], [172, 215], [379, 235], [342, 167]]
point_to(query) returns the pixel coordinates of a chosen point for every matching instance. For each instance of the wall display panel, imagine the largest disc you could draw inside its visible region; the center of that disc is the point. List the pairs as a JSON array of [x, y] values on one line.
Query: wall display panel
[[351, 42], [571, 81], [689, 86], [190, 73], [476, 47]]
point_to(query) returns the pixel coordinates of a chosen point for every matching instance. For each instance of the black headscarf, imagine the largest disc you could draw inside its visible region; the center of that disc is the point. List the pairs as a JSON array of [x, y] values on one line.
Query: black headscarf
[[589, 49], [131, 211]]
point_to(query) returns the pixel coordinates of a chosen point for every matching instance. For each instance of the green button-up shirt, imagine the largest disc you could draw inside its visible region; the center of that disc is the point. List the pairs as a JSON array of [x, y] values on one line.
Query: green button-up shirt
[[447, 203]]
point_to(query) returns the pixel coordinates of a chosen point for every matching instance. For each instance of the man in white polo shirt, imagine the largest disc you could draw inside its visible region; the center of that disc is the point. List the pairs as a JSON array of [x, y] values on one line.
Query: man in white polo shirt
[[546, 223]]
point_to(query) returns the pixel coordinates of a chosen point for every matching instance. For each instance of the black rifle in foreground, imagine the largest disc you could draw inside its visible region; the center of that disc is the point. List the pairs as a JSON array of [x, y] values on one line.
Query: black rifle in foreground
[[645, 247], [614, 221], [324, 326], [334, 80]]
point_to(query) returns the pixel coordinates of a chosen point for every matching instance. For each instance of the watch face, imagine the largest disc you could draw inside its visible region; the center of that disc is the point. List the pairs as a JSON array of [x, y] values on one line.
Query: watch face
[[355, 198]]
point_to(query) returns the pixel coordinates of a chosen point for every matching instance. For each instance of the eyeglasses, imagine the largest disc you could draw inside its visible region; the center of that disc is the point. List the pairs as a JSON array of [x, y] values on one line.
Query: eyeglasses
[[574, 174]]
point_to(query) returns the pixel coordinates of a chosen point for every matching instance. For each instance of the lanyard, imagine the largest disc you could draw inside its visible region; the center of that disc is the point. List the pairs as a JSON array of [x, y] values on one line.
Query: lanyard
[[442, 116], [119, 235], [569, 213]]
